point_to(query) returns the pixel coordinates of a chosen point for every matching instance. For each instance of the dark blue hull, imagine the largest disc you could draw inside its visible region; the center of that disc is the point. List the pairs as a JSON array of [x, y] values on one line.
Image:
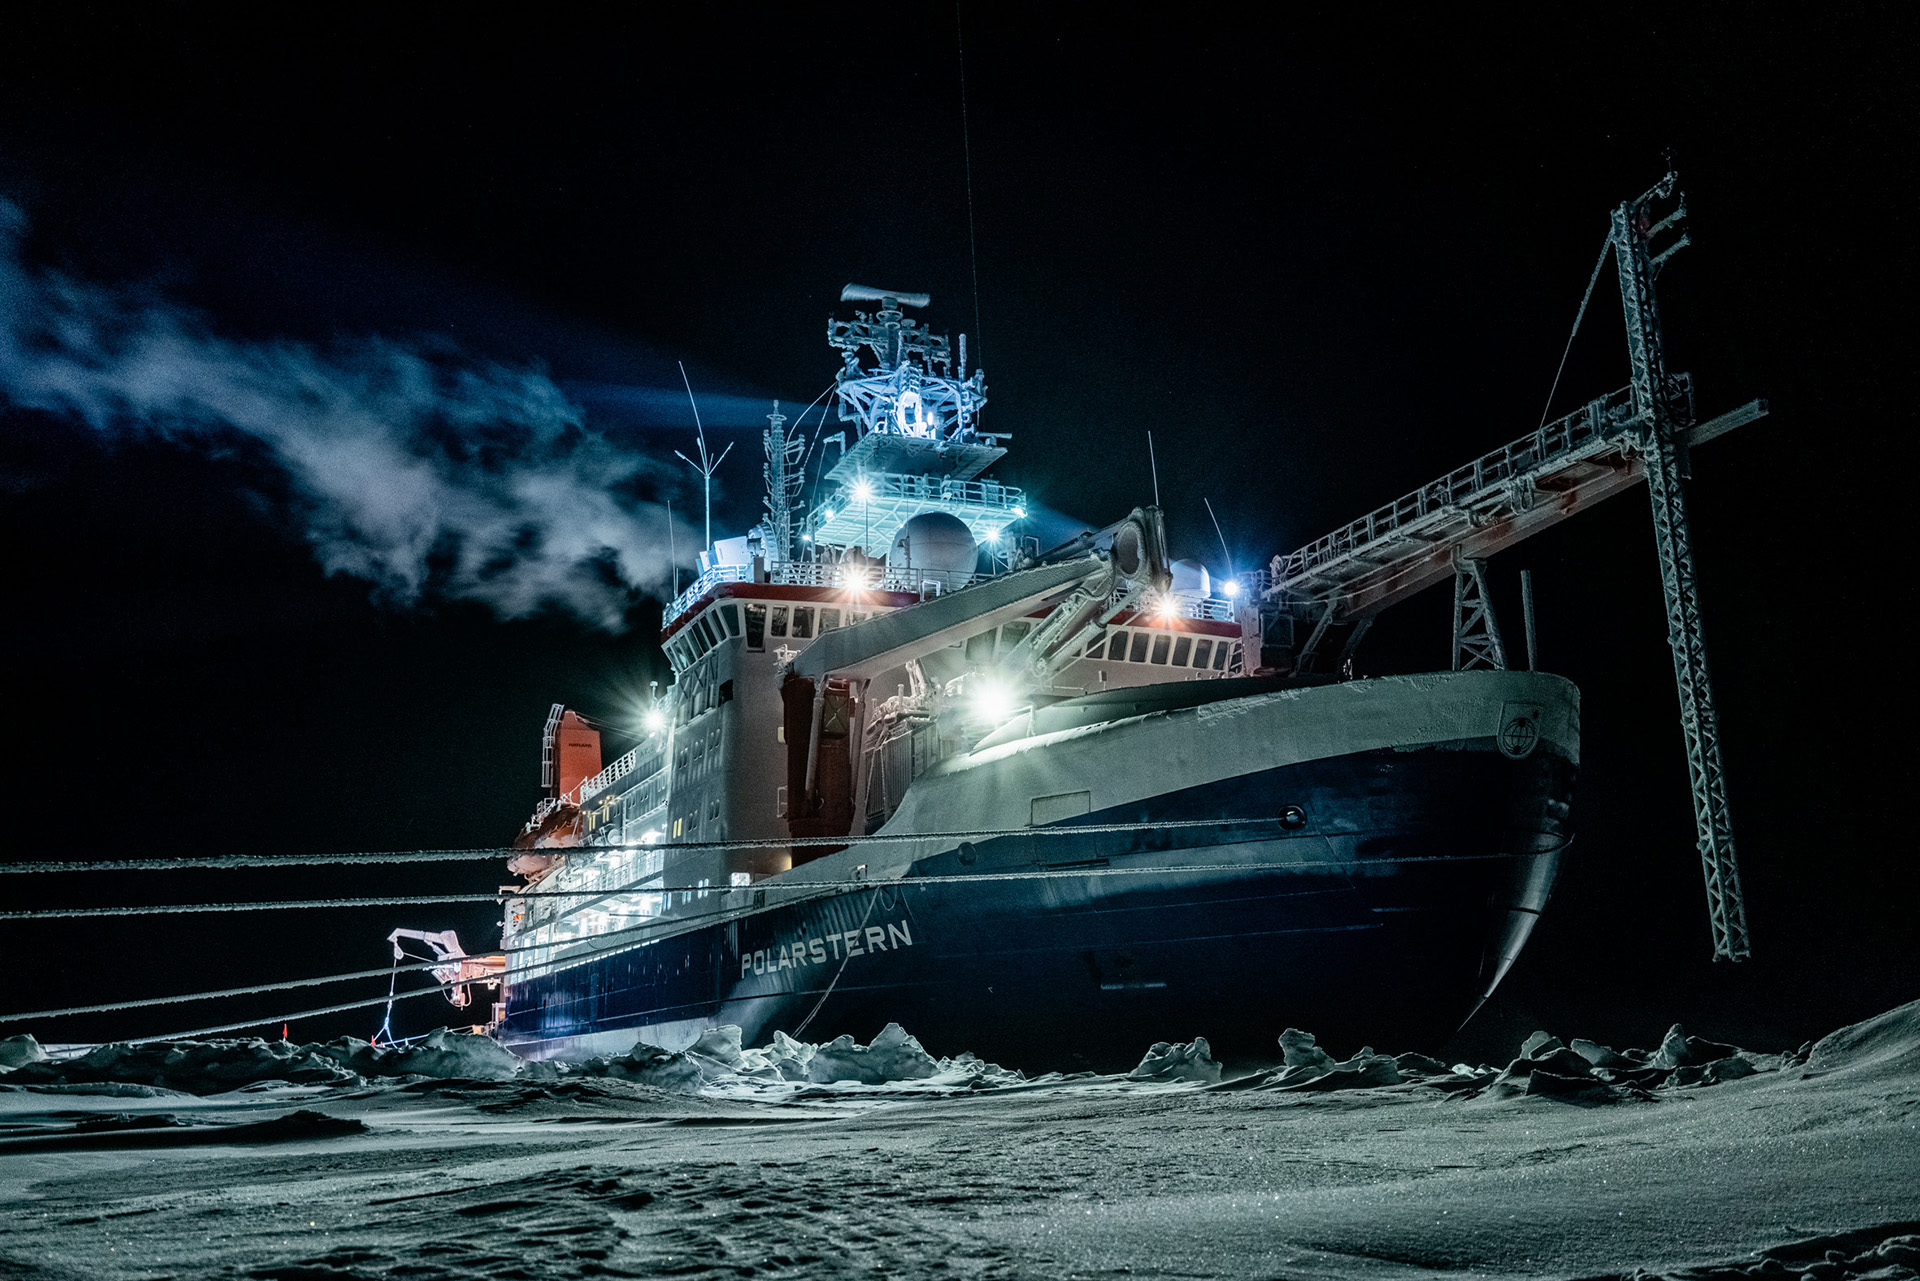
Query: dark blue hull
[[1386, 918]]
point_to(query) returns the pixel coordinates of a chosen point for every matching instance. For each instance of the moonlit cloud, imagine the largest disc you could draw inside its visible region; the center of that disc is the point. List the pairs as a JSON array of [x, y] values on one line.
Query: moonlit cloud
[[415, 467]]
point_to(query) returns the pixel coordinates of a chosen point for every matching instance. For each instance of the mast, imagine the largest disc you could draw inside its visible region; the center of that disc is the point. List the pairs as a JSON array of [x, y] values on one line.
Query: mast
[[1663, 405], [784, 475]]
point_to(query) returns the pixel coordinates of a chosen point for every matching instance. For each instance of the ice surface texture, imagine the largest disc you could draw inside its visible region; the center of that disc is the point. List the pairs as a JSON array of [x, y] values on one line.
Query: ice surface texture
[[1587, 1073], [213, 1067], [1808, 1169]]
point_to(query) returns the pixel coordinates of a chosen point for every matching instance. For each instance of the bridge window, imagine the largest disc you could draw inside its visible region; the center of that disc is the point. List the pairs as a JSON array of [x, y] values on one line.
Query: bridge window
[[1182, 650], [732, 618], [1202, 651], [980, 648], [829, 619], [779, 621], [1139, 652], [756, 627], [1096, 646], [1117, 648], [803, 622], [1012, 634], [1220, 655], [1161, 644]]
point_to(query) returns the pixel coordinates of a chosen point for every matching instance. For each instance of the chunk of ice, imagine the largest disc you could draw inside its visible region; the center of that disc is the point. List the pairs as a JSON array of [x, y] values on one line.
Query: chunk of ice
[[1181, 1061]]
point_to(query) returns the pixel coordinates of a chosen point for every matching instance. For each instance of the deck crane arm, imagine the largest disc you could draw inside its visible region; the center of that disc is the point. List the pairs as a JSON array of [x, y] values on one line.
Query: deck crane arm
[[459, 970], [864, 650]]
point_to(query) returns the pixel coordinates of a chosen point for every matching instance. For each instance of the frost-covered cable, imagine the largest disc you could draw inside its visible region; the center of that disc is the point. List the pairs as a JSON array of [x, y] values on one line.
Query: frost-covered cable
[[595, 948], [276, 1018], [1578, 317], [230, 862], [186, 997], [643, 887]]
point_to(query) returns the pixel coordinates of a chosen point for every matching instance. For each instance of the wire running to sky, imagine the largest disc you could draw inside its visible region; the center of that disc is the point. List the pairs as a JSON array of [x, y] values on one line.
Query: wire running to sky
[[1222, 537], [1581, 315], [966, 150]]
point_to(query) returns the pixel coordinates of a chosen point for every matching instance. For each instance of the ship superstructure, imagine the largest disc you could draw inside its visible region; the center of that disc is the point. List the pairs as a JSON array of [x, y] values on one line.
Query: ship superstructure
[[905, 521], [1040, 804]]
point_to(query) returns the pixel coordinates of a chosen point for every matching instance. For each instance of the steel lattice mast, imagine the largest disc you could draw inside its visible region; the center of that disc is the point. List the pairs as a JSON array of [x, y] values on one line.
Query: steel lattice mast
[[1664, 410], [1447, 529]]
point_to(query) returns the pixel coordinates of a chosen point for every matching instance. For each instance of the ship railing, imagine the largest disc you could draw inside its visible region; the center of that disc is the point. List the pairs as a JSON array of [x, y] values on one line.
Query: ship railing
[[933, 489], [1591, 426], [628, 764], [1209, 608], [880, 577], [547, 805], [707, 581], [924, 583]]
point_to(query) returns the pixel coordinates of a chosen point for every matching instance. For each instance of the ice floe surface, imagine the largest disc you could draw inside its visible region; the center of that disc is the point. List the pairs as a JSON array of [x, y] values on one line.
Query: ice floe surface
[[718, 1063], [1689, 1159]]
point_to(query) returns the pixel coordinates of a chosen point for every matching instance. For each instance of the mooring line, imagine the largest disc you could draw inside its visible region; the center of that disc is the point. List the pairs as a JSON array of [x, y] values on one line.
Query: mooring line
[[229, 862], [647, 887]]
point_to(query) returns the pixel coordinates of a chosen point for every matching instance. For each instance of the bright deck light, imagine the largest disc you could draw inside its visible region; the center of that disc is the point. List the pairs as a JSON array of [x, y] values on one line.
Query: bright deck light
[[654, 720], [863, 491], [1019, 513], [992, 702], [1231, 588]]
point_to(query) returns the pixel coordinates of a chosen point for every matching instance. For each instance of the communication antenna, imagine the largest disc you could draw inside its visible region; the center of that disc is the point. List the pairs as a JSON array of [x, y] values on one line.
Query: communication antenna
[[706, 467], [1216, 529], [672, 553], [966, 151], [1155, 466]]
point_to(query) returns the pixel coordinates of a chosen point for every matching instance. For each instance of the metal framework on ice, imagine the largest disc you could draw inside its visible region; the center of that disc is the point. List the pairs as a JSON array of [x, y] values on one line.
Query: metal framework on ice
[[1447, 529]]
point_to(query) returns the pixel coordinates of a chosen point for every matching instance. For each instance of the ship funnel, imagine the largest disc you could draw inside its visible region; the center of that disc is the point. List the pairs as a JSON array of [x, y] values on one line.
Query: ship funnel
[[867, 293]]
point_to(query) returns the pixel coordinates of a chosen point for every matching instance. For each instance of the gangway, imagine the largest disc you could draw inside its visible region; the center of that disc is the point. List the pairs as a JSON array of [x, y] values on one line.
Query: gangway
[[1337, 585]]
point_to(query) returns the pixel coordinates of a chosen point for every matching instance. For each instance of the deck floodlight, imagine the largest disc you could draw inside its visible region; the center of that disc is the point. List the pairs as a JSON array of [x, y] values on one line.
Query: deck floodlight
[[1231, 588], [993, 702], [654, 719]]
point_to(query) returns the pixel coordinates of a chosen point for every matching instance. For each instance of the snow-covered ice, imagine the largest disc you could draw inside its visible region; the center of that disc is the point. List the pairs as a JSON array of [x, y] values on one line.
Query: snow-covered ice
[[444, 1160]]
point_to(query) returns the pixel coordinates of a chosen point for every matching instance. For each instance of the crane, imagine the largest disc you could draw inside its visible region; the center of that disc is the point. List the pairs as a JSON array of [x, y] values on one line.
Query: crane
[[1337, 585]]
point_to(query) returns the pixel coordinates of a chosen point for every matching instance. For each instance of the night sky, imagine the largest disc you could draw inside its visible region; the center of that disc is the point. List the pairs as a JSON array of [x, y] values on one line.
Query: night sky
[[1322, 266]]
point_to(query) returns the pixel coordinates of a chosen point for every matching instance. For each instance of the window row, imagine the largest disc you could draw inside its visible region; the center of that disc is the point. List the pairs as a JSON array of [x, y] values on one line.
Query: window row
[[981, 648], [697, 756], [757, 623], [1167, 649]]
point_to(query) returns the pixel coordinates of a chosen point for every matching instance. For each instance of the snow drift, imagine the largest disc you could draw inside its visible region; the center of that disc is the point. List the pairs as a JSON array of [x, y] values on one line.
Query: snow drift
[[1577, 1071]]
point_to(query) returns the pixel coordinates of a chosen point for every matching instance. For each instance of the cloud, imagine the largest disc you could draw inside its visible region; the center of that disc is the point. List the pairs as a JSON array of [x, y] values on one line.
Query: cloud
[[417, 468]]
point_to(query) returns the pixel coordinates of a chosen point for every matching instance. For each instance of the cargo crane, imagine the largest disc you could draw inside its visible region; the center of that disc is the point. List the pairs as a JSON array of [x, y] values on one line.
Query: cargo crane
[[1334, 587]]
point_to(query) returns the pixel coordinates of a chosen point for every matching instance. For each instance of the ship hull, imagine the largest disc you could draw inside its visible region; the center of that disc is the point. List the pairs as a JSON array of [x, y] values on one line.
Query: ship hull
[[1408, 883]]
